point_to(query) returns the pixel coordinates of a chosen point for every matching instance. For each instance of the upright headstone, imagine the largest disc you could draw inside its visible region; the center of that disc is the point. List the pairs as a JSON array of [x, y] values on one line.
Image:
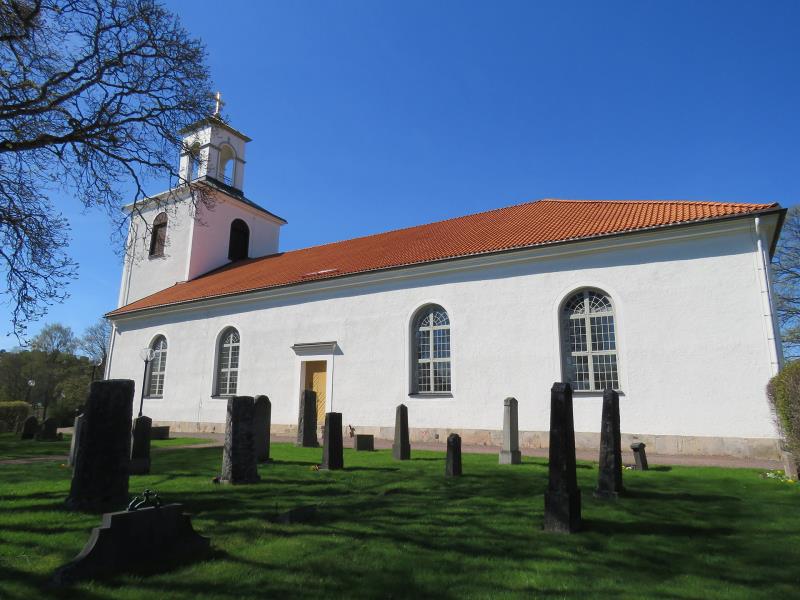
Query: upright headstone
[[562, 500], [49, 430], [262, 418], [401, 448], [140, 446], [239, 453], [102, 457], [332, 451], [510, 454], [307, 421], [29, 428], [452, 465], [609, 479], [77, 430], [640, 456], [364, 442]]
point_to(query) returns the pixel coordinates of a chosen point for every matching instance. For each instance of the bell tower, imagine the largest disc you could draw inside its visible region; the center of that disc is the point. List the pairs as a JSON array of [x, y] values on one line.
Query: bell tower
[[212, 148]]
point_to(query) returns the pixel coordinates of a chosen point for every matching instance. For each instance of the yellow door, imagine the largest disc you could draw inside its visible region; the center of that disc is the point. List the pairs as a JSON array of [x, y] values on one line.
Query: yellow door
[[316, 372]]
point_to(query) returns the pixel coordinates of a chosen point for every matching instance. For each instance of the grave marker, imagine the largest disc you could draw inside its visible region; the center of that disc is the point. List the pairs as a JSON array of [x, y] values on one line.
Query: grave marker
[[609, 480], [307, 421], [510, 454], [332, 451], [239, 452], [262, 417], [401, 448], [140, 446], [452, 465], [562, 500]]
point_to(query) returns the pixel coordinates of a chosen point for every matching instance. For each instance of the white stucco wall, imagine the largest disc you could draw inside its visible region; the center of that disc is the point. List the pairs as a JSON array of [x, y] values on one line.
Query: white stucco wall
[[693, 340]]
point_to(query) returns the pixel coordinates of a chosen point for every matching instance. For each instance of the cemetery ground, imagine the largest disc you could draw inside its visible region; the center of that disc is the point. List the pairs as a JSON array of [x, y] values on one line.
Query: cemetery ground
[[400, 529]]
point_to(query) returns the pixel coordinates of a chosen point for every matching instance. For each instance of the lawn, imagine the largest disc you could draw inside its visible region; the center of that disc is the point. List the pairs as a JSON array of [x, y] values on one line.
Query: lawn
[[12, 447], [388, 529]]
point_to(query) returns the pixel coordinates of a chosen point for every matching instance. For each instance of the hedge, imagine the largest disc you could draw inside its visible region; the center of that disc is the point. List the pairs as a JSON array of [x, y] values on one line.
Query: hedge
[[12, 414], [783, 391]]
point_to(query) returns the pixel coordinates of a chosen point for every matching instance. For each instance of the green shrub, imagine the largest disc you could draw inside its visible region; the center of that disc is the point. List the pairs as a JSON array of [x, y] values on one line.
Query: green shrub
[[783, 391], [12, 414]]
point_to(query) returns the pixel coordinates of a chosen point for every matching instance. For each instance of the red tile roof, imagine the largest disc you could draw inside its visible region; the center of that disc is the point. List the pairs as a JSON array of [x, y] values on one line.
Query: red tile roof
[[521, 226]]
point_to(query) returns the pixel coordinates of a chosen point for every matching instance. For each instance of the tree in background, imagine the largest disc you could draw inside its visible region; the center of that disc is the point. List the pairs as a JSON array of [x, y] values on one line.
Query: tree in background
[[92, 96], [94, 344], [786, 278]]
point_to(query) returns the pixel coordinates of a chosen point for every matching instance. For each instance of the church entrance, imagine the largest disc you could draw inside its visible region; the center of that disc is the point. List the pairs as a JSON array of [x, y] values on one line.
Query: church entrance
[[316, 372]]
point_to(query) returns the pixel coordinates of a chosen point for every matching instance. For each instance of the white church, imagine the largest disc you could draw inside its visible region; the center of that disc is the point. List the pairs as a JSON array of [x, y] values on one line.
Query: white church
[[668, 302]]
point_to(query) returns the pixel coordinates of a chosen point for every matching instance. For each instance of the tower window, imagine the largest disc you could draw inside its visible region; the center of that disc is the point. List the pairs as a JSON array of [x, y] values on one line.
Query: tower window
[[227, 164], [194, 162], [240, 240], [158, 236]]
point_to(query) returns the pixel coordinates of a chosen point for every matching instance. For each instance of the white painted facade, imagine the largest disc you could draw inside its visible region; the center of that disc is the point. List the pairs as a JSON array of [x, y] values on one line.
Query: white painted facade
[[696, 340]]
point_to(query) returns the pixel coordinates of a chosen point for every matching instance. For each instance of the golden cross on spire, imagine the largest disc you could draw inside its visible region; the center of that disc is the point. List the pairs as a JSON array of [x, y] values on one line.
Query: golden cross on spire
[[219, 104]]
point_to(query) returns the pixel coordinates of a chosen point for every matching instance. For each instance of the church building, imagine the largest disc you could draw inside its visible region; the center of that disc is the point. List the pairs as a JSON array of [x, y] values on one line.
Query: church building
[[668, 302]]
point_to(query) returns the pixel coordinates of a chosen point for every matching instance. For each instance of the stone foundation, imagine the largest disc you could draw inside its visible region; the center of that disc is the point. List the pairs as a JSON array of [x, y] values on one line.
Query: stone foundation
[[756, 448]]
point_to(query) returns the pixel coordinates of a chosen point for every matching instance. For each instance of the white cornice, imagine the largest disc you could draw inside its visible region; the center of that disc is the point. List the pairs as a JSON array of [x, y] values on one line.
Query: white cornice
[[628, 240]]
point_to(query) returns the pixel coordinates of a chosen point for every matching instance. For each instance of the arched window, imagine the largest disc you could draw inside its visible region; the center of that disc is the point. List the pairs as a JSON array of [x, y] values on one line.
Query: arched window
[[227, 363], [159, 235], [194, 162], [157, 368], [431, 358], [227, 164], [590, 341], [240, 240]]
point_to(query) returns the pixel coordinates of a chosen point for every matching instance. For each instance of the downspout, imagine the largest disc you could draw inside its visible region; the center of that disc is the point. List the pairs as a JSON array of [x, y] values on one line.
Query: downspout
[[765, 284], [110, 350]]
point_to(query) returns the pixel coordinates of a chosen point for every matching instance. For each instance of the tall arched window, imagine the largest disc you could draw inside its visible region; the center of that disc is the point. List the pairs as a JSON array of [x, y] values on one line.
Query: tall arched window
[[238, 246], [158, 236], [590, 341], [227, 164], [194, 162], [157, 368], [227, 363], [431, 358]]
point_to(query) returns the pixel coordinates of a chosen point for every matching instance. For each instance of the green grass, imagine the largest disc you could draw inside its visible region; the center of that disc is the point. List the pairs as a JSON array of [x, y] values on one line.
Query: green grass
[[11, 447], [388, 529]]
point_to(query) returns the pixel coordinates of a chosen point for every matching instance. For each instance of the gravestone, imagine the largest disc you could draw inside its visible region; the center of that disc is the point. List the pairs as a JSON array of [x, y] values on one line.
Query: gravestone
[[452, 464], [102, 455], [364, 442], [140, 446], [159, 432], [562, 500], [307, 421], [332, 451], [401, 447], [789, 465], [126, 541], [510, 454], [239, 452], [262, 417], [609, 479], [49, 431], [29, 428], [77, 430], [640, 456]]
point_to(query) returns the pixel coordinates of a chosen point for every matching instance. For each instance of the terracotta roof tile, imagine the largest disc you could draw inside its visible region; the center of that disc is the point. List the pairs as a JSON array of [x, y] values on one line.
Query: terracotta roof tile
[[524, 225]]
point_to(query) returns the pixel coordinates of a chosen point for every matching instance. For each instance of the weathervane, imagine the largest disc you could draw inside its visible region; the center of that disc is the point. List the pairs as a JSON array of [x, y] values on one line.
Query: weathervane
[[219, 104]]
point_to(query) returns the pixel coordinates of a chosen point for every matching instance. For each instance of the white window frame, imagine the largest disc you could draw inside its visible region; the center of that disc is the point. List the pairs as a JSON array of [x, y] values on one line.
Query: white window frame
[[564, 320], [222, 372], [428, 310], [157, 366]]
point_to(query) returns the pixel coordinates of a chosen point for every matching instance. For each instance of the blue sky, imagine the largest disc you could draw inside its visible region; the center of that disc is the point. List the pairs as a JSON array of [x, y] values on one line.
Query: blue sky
[[373, 115]]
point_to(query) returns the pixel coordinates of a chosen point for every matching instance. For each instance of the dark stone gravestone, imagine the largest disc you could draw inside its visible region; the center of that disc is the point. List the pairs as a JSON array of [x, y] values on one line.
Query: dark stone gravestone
[[307, 421], [639, 456], [77, 430], [239, 463], [140, 446], [363, 442], [159, 432], [510, 454], [145, 539], [102, 456], [452, 465], [609, 479], [48, 431], [332, 450], [262, 418], [30, 428], [562, 500], [401, 448], [299, 514]]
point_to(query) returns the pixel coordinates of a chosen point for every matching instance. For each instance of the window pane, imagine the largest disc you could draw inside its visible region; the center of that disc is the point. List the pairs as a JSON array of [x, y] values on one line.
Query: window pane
[[441, 376], [598, 303], [579, 375], [441, 343], [235, 357], [423, 345], [424, 377], [605, 371], [577, 335], [603, 337]]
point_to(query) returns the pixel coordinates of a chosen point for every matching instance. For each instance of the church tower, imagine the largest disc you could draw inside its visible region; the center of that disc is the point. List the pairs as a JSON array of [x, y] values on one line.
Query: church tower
[[173, 238]]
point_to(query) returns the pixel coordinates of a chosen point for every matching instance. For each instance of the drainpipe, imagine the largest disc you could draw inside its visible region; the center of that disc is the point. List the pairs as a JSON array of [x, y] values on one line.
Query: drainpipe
[[765, 283]]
